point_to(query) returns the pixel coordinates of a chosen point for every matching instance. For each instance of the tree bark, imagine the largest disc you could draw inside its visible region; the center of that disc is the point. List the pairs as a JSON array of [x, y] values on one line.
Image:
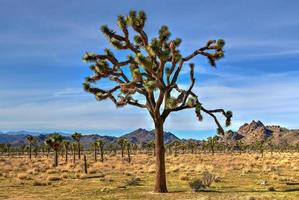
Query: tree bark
[[66, 155], [160, 185], [56, 158], [29, 151], [102, 154], [79, 151]]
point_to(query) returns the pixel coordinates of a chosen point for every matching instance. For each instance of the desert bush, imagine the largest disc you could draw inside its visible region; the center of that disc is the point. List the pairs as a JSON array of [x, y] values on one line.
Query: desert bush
[[40, 183], [196, 185], [23, 176], [184, 178], [133, 181], [53, 178], [207, 178]]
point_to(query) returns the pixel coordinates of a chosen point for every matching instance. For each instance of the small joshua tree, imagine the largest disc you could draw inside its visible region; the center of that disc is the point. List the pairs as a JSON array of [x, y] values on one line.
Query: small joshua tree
[[101, 144], [95, 147], [55, 142], [30, 140], [128, 146], [74, 146], [121, 143], [154, 68], [66, 145], [77, 137], [212, 141]]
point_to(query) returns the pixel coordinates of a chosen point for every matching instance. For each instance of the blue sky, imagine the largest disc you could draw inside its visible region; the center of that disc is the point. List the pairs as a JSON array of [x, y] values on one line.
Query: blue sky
[[41, 70]]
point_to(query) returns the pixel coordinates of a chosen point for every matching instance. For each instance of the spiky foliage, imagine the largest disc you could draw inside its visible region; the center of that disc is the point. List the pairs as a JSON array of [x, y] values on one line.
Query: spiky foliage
[[77, 137], [151, 82], [55, 142]]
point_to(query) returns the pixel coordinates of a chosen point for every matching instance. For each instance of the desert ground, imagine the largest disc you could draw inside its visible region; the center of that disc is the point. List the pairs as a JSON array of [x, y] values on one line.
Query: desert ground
[[237, 176]]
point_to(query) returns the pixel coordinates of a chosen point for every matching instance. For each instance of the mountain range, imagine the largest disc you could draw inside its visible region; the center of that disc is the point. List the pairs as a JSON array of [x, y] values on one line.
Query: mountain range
[[137, 137], [247, 133]]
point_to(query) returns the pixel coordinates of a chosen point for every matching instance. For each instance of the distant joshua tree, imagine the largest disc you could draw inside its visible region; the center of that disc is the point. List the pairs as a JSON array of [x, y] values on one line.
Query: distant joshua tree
[[121, 143], [30, 140], [77, 137], [212, 141], [128, 146], [95, 147], [74, 146], [66, 145], [55, 142], [101, 144], [151, 147], [155, 66]]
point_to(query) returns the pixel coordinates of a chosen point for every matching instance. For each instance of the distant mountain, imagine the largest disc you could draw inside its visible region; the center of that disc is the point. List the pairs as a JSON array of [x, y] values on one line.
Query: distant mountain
[[144, 136], [257, 131], [138, 136]]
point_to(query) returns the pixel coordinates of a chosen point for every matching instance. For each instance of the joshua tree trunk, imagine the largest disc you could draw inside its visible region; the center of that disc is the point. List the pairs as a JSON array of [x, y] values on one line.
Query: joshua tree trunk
[[102, 154], [95, 154], [160, 185], [74, 156], [85, 164], [56, 158], [30, 151], [66, 155], [129, 156], [79, 151], [122, 151]]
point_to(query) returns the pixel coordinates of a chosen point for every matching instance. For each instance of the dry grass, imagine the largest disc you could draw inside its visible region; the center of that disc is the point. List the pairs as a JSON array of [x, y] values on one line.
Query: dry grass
[[245, 176]]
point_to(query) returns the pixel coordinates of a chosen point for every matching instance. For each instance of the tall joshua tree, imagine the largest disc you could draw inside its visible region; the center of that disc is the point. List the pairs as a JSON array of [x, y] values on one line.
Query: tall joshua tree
[[54, 141], [77, 136], [30, 140], [154, 68]]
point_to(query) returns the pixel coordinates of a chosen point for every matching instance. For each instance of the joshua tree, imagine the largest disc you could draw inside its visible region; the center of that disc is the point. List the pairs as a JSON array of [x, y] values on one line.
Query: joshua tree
[[240, 146], [128, 145], [95, 146], [101, 144], [154, 68], [212, 141], [270, 144], [121, 143], [260, 146], [176, 145], [191, 145], [8, 145], [74, 145], [66, 145], [77, 136], [151, 147], [54, 141], [30, 140]]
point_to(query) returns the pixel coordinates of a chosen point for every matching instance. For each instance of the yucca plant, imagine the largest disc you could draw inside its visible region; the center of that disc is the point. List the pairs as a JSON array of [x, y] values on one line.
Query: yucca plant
[[212, 141], [66, 145], [155, 64], [55, 142], [77, 137], [30, 140], [101, 144], [121, 143]]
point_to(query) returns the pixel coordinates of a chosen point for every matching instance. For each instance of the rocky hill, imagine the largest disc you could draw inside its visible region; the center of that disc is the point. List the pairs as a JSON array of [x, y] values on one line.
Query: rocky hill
[[257, 131], [143, 135]]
